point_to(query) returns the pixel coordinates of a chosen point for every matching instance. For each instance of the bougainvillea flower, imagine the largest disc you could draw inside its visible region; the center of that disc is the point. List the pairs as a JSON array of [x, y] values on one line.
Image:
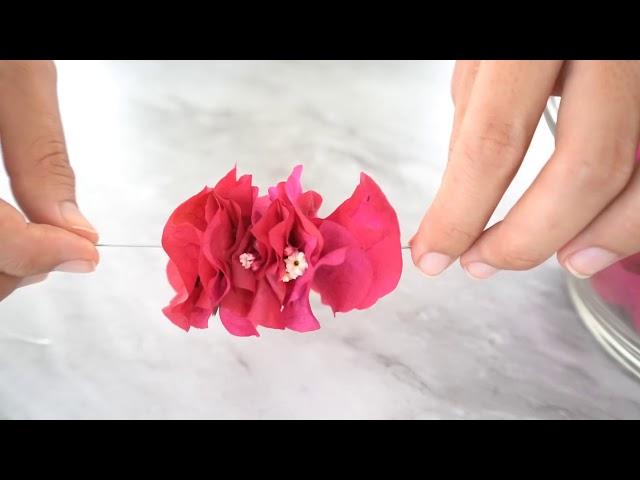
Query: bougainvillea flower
[[198, 237], [256, 260]]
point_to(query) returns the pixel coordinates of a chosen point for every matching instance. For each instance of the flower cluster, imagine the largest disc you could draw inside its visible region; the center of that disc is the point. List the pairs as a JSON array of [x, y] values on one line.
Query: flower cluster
[[255, 259]]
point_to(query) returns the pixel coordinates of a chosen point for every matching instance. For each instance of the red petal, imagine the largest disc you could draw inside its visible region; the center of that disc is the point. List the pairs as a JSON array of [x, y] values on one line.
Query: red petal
[[236, 324], [265, 310], [291, 189], [260, 206], [297, 315], [192, 211], [309, 203], [343, 285], [238, 191], [369, 217]]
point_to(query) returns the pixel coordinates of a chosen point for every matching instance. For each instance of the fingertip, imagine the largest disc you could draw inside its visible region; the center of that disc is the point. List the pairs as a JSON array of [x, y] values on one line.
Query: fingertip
[[417, 248], [430, 262], [90, 251], [479, 270], [433, 264], [77, 222], [89, 234]]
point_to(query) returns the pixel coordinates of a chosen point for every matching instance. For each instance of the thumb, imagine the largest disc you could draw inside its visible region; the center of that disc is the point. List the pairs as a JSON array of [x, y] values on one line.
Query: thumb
[[28, 249], [34, 149]]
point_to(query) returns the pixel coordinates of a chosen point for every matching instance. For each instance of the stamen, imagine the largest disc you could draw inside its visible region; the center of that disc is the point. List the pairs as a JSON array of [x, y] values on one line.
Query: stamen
[[295, 265], [246, 260]]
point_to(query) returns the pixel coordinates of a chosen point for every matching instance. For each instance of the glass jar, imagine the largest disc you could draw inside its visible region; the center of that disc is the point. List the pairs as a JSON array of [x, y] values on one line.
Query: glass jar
[[609, 302]]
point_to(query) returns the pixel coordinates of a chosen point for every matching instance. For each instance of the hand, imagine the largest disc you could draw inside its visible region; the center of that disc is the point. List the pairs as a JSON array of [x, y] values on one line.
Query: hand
[[584, 205], [42, 181]]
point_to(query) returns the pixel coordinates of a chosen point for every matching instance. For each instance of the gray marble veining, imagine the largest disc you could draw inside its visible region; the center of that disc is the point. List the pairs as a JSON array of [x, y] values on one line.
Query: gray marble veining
[[143, 136]]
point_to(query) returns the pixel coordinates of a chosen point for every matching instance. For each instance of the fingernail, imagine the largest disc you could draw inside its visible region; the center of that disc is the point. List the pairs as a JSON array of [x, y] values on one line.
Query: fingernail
[[76, 266], [589, 261], [433, 264], [72, 215], [32, 279], [479, 270]]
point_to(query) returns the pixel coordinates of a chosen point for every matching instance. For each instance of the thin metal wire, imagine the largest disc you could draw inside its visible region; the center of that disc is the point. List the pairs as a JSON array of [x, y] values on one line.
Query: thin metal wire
[[129, 245], [551, 113], [133, 245]]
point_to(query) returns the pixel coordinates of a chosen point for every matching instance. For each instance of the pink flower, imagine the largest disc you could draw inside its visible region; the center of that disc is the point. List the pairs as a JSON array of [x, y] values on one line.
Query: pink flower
[[283, 227], [199, 237], [256, 259], [352, 258]]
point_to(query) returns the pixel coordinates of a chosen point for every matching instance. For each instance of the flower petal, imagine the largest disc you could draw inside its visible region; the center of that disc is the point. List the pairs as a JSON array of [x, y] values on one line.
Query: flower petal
[[238, 191], [186, 309], [298, 316], [369, 217], [260, 206], [291, 189], [191, 211], [182, 244], [309, 203], [236, 324], [265, 309], [344, 276]]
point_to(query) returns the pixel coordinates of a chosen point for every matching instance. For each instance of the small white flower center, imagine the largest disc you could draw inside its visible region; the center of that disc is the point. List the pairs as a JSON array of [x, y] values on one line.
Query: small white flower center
[[246, 260], [295, 265]]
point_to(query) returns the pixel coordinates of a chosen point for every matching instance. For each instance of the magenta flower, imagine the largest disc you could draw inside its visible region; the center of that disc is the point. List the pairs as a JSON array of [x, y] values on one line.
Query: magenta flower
[[257, 259]]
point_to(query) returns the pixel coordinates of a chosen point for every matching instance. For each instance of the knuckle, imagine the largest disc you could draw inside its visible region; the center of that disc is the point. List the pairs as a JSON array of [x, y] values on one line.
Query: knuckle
[[519, 259], [50, 165], [496, 145], [622, 164], [499, 135], [607, 170], [52, 159], [452, 235], [55, 167], [516, 253]]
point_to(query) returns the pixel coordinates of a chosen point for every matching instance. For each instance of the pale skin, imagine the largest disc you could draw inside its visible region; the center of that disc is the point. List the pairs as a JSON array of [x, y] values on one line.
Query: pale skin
[[582, 207], [49, 233]]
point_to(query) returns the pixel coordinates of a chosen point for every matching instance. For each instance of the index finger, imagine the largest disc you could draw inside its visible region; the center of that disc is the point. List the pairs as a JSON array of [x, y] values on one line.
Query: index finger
[[503, 110]]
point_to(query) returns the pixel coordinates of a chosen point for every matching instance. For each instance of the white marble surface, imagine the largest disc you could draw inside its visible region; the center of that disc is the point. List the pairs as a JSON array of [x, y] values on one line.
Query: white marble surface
[[145, 135]]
